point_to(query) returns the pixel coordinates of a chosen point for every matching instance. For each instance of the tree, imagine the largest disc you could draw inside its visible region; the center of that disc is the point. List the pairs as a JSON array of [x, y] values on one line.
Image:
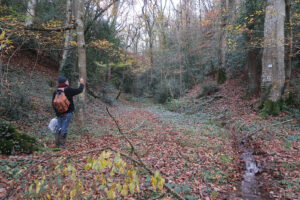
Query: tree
[[273, 66], [67, 36], [79, 8], [30, 12], [288, 48], [225, 7], [148, 15], [254, 24]]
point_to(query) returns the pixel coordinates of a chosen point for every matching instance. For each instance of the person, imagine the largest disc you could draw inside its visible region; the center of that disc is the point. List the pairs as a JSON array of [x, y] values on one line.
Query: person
[[64, 119]]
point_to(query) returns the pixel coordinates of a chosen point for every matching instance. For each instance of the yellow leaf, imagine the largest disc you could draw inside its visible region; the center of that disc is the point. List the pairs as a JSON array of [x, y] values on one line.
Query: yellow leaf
[[275, 86], [111, 194], [124, 191], [161, 183], [112, 172], [154, 182], [119, 187], [38, 187], [156, 174], [73, 193], [138, 188], [48, 196], [132, 188], [87, 166]]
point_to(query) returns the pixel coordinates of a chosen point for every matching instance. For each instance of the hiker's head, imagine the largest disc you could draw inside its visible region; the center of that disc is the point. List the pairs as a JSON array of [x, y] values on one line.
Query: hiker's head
[[62, 79]]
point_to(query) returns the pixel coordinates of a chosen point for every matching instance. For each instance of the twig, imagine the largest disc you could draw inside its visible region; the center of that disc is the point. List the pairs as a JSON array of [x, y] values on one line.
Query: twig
[[256, 131], [140, 162]]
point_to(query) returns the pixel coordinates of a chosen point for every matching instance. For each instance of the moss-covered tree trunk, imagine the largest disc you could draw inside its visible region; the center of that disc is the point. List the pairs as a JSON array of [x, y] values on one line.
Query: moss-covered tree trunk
[[273, 66]]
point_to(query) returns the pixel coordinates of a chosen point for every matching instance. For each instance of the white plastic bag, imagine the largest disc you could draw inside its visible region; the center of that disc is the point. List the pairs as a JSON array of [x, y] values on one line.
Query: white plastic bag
[[52, 125]]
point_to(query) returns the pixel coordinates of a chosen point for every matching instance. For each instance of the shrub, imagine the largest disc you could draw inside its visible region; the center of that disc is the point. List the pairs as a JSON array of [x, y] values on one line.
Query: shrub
[[161, 94], [12, 140], [177, 105]]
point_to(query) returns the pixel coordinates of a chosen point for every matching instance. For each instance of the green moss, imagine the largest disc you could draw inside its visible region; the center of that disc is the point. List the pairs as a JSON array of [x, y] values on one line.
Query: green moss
[[221, 76], [271, 108], [11, 140], [6, 146]]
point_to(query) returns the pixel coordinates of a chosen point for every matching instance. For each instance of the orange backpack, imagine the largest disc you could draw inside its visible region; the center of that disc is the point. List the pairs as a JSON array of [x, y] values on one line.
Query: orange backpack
[[61, 102]]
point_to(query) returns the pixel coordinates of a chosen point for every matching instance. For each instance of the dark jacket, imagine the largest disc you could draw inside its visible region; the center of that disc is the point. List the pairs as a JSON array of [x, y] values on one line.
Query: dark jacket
[[69, 92]]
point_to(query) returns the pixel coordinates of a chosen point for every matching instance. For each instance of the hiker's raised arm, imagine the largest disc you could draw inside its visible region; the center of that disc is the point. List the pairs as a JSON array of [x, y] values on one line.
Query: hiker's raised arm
[[75, 91]]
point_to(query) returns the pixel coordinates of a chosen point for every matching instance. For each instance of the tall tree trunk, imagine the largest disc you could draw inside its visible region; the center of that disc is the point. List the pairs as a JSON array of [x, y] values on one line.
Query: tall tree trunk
[[30, 12], [222, 43], [288, 49], [221, 73], [254, 70], [67, 37], [81, 54], [273, 70]]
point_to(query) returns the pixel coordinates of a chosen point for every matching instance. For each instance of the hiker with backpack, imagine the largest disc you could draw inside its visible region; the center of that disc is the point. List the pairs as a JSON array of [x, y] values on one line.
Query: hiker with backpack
[[63, 105]]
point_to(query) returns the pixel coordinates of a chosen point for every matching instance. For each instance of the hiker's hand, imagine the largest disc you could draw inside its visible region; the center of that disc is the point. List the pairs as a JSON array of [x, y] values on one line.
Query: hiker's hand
[[81, 81]]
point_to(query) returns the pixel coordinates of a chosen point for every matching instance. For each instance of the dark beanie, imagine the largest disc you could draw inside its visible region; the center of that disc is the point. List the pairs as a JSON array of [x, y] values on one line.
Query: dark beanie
[[62, 79]]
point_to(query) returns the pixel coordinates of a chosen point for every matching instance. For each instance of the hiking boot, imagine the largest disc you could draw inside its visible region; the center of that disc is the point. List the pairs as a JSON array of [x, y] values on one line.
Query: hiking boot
[[62, 140], [57, 140]]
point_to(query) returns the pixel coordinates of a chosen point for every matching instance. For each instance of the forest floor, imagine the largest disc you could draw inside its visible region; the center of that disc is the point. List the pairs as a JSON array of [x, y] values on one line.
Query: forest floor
[[195, 144]]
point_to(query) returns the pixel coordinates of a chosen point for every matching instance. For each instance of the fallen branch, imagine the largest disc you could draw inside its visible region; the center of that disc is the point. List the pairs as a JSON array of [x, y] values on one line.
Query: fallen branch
[[57, 29], [139, 161], [119, 94], [258, 130]]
